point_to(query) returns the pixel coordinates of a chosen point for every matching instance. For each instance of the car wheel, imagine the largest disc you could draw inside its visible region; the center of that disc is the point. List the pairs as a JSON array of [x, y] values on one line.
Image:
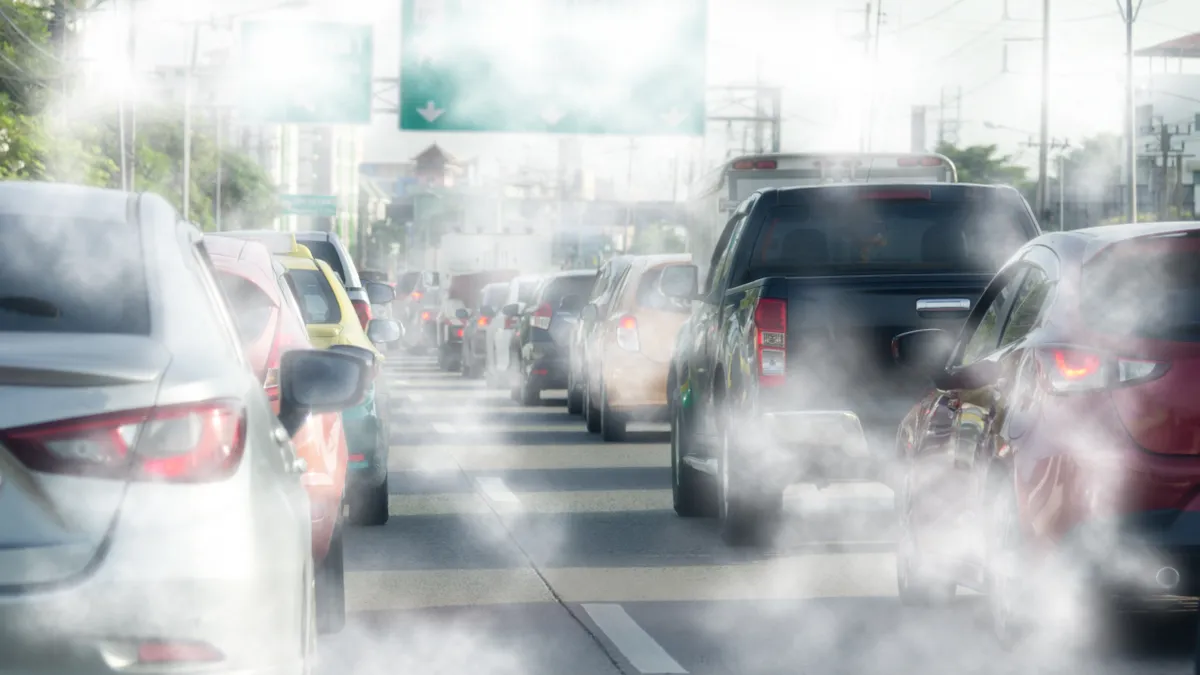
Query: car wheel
[[574, 395], [749, 510], [530, 395], [370, 508], [613, 424], [916, 583], [692, 492], [331, 587], [591, 415]]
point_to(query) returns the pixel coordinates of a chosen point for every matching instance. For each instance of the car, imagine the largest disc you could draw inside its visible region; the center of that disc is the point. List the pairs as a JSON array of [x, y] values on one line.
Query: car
[[1059, 436], [419, 295], [271, 324], [540, 359], [380, 277], [783, 373], [160, 524], [462, 293], [331, 322], [502, 331], [630, 354], [477, 319], [612, 273]]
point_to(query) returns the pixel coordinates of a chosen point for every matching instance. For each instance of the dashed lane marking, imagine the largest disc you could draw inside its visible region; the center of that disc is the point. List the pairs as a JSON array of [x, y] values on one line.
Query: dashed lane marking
[[634, 643]]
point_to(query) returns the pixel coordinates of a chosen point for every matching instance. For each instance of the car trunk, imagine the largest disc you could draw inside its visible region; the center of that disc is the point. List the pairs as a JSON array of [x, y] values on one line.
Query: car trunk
[[52, 525]]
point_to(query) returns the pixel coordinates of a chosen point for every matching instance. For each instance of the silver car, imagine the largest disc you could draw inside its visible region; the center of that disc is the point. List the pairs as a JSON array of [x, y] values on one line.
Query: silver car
[[151, 514]]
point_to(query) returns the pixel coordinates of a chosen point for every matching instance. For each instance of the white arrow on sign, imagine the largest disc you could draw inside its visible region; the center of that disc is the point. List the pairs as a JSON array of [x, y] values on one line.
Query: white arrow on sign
[[552, 115], [430, 112], [674, 118]]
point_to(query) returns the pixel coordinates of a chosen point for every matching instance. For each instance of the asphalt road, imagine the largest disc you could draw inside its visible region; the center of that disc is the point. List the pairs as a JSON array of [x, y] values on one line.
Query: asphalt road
[[520, 544]]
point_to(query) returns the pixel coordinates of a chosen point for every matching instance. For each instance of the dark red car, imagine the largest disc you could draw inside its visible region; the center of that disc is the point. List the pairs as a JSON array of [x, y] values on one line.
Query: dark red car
[[1063, 432]]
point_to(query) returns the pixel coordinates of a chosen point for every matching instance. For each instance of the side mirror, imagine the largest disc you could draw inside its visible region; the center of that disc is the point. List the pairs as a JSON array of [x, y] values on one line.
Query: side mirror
[[570, 303], [318, 381], [461, 313], [383, 331], [589, 312], [975, 376], [487, 312], [511, 310], [927, 350], [680, 282], [380, 294]]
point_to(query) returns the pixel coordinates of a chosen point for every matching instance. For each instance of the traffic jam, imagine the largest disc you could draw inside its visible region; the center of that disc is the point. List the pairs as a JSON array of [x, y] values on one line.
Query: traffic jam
[[208, 417]]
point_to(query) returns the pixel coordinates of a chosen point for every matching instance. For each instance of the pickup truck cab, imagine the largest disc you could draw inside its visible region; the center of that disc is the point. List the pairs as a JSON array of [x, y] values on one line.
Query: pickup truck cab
[[783, 372]]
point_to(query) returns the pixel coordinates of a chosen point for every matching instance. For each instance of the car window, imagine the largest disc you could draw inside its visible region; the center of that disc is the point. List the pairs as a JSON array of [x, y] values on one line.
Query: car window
[[1027, 307], [252, 308], [72, 276], [317, 301], [985, 337], [558, 288], [1145, 289], [648, 295], [325, 250], [721, 254]]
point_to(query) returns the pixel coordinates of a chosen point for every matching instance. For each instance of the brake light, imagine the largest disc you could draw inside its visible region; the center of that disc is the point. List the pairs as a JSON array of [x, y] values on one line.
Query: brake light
[[424, 316], [542, 316], [482, 322], [415, 295], [770, 327], [363, 310], [627, 334], [159, 652], [459, 333], [189, 443], [897, 195], [1070, 369]]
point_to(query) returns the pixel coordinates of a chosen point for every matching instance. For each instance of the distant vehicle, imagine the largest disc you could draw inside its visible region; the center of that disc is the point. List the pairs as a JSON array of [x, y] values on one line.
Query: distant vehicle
[[626, 371], [783, 372], [502, 330], [543, 335], [153, 515], [609, 276], [1062, 425], [474, 343], [463, 292], [419, 297], [716, 194]]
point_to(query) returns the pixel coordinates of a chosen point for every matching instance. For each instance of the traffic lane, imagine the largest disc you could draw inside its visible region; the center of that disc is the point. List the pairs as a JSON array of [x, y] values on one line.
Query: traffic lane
[[500, 640]]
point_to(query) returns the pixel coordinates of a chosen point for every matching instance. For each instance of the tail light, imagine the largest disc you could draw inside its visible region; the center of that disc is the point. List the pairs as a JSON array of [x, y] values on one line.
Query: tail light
[[424, 316], [363, 310], [542, 316], [1070, 369], [459, 332], [770, 327], [160, 652], [415, 295], [627, 334], [482, 322], [190, 443]]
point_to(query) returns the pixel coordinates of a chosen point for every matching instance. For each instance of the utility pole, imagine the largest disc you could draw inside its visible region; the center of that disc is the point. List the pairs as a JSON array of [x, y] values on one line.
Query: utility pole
[[1129, 14], [1164, 148], [949, 115], [757, 108], [189, 75], [131, 51], [627, 240], [1044, 144], [1048, 145]]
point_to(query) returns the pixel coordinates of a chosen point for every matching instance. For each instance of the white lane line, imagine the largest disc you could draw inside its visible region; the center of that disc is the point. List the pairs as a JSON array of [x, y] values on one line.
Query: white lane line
[[635, 643], [495, 490], [444, 428], [416, 397]]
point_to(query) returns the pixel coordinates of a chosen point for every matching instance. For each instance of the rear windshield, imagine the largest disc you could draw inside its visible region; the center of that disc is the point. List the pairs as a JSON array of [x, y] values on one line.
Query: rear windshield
[[560, 287], [890, 231], [72, 276], [252, 308], [325, 250], [494, 296], [1146, 290], [317, 300], [649, 296], [527, 291]]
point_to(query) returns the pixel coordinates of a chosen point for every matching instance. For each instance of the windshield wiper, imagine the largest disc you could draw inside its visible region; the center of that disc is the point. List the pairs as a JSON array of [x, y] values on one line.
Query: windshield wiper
[[30, 306]]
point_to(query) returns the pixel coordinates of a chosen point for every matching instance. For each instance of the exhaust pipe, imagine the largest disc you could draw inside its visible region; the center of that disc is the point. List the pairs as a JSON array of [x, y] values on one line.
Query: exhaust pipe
[[1167, 578]]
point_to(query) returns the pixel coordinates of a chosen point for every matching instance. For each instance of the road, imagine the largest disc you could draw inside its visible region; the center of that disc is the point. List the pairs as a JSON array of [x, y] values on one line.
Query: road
[[520, 544]]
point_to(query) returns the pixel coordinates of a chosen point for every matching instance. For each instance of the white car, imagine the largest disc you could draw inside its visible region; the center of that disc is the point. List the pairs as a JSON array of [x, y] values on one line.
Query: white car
[[152, 518], [503, 328]]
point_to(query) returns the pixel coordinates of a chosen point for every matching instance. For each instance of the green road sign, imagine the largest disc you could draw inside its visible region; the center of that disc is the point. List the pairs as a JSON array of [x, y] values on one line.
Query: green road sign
[[296, 72], [624, 67], [323, 206]]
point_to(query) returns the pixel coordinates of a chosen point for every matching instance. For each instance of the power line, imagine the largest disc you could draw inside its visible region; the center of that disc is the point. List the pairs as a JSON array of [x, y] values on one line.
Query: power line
[[928, 18]]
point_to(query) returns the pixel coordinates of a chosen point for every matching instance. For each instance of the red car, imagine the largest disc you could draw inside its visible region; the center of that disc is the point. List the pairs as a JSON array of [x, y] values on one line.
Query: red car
[[1061, 442], [270, 322]]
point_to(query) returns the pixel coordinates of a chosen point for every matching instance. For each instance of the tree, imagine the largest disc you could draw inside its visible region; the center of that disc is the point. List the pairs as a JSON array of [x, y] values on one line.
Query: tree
[[658, 238], [981, 164]]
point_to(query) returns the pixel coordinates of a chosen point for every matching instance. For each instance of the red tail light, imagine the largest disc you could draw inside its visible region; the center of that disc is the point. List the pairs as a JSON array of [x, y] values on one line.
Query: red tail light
[[627, 334], [177, 652], [363, 310], [459, 332], [424, 316], [415, 295], [191, 443], [770, 327], [1071, 369], [542, 316], [482, 322]]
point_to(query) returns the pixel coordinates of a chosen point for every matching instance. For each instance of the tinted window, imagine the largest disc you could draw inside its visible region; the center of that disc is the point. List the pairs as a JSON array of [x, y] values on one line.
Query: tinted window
[[1027, 307], [72, 276], [251, 307], [316, 298], [1145, 289], [890, 230], [986, 337], [324, 250], [649, 296], [560, 287]]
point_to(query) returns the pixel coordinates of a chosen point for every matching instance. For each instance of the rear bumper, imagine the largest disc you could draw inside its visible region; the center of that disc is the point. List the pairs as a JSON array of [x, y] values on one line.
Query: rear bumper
[[548, 371], [635, 384], [816, 445]]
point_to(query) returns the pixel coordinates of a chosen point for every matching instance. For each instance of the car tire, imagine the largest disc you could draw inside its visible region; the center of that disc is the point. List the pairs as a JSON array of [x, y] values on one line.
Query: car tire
[[591, 414], [917, 585], [370, 509], [331, 587], [613, 425], [693, 493], [529, 394], [748, 510], [574, 395]]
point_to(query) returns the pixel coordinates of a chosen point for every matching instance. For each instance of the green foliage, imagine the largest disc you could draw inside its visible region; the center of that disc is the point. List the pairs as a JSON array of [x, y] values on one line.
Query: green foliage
[[982, 164], [660, 238]]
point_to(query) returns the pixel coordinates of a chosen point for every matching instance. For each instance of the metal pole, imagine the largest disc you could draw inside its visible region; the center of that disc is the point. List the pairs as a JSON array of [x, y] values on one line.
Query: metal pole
[[1131, 207], [866, 124], [1062, 192], [187, 122], [121, 137], [217, 200], [1044, 144], [131, 49]]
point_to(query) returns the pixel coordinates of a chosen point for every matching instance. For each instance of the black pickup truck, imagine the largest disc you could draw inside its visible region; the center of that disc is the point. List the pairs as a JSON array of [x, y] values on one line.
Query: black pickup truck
[[783, 373]]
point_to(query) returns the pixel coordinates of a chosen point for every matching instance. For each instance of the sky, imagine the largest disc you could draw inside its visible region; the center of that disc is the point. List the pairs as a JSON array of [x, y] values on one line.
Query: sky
[[813, 49]]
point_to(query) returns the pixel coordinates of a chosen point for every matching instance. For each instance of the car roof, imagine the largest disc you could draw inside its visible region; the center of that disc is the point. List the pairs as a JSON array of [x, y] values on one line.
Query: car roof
[[794, 192], [657, 259], [248, 259], [1090, 241], [63, 200]]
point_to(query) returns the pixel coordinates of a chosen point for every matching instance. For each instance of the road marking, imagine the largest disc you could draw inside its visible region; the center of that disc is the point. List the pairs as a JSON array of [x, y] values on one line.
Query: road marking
[[420, 589], [416, 397], [444, 428], [634, 643], [495, 490]]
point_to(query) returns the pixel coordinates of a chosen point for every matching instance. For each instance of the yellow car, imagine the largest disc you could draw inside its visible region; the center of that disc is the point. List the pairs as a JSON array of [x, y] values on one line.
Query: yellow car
[[331, 321]]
